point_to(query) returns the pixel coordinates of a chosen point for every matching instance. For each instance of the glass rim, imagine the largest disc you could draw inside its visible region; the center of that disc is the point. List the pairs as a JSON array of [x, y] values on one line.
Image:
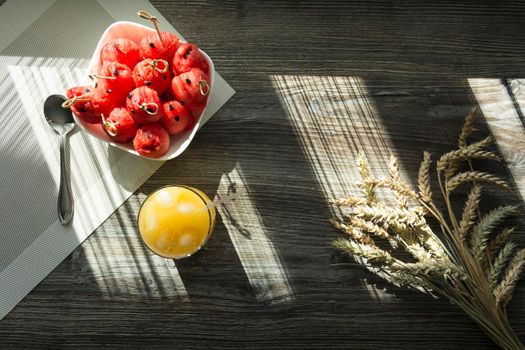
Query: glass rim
[[211, 224]]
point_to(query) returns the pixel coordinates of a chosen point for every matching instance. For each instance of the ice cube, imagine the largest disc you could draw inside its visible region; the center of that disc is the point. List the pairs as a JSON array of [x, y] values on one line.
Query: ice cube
[[164, 198], [163, 240], [186, 240], [185, 207], [151, 223]]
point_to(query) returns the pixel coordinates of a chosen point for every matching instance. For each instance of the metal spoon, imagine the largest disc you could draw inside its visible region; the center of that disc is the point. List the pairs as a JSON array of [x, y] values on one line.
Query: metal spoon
[[62, 122]]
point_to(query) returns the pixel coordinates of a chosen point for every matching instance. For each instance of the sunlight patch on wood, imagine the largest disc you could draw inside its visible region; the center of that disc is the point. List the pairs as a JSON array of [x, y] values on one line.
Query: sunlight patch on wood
[[335, 121], [259, 257]]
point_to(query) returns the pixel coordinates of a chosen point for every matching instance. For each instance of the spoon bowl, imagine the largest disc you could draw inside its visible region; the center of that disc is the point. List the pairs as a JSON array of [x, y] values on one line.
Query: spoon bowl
[[61, 121]]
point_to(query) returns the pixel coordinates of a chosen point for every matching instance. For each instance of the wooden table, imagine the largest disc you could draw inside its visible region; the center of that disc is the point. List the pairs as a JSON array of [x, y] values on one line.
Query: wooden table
[[316, 83]]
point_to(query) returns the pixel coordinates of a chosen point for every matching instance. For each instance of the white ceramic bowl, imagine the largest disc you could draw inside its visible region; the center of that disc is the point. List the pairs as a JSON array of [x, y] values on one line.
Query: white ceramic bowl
[[135, 32]]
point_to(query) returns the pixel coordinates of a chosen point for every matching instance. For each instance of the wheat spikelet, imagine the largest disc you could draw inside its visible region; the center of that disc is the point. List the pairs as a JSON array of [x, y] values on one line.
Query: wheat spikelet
[[463, 154], [349, 201], [423, 179], [455, 181], [367, 251], [482, 230], [408, 280], [368, 226], [398, 187], [431, 242], [393, 170], [503, 292], [395, 217], [499, 263], [419, 252], [353, 232], [497, 242], [469, 212], [429, 268], [468, 126], [363, 166], [450, 161], [365, 172]]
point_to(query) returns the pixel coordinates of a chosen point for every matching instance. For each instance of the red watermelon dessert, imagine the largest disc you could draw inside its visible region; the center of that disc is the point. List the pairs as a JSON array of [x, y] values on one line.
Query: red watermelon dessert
[[151, 141], [176, 118], [119, 125], [144, 105], [150, 90], [153, 73], [120, 50], [157, 45], [79, 100], [188, 56], [116, 80], [191, 87]]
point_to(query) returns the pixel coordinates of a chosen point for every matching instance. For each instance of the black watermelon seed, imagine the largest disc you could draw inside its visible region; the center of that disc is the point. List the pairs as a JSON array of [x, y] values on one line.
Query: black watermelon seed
[[108, 91], [148, 83], [151, 45], [171, 107], [188, 81], [115, 72], [87, 90], [177, 118], [129, 95], [164, 78], [96, 84], [81, 109], [149, 109], [181, 103], [132, 111]]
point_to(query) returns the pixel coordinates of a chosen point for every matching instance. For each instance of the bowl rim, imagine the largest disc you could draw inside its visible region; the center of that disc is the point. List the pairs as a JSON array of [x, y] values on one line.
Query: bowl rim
[[100, 135]]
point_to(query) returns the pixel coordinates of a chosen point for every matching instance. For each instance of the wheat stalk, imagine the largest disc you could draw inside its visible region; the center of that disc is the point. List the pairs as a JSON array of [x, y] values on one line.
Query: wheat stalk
[[365, 172], [497, 242], [401, 189], [348, 201], [469, 212], [368, 226], [423, 179], [367, 251], [473, 151], [482, 230], [503, 292], [468, 126], [469, 176], [356, 234], [499, 263]]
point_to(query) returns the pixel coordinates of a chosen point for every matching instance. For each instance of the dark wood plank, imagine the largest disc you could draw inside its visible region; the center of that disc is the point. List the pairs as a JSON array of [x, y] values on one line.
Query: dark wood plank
[[316, 82]]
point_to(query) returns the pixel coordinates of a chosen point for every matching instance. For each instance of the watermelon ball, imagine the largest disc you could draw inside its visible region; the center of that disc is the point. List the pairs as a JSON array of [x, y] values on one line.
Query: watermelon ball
[[116, 79], [191, 87], [102, 103], [153, 74], [151, 141], [152, 47], [144, 105], [120, 50], [79, 101], [119, 125], [188, 56], [175, 118]]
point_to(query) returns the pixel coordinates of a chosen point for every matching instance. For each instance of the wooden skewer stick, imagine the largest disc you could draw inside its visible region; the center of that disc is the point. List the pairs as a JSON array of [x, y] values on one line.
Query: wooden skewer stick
[[154, 20]]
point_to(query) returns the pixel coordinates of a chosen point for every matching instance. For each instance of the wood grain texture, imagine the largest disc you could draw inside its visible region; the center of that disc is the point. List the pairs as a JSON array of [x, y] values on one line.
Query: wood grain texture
[[316, 82]]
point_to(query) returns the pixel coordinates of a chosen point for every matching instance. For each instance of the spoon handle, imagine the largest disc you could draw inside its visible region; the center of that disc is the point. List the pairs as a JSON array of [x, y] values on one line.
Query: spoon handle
[[65, 198]]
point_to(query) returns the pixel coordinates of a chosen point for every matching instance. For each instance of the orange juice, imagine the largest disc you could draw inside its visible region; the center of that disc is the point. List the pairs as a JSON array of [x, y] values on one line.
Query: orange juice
[[174, 223]]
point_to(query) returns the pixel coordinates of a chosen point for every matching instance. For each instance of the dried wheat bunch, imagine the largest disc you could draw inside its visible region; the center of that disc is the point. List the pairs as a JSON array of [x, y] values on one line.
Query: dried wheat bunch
[[468, 262]]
